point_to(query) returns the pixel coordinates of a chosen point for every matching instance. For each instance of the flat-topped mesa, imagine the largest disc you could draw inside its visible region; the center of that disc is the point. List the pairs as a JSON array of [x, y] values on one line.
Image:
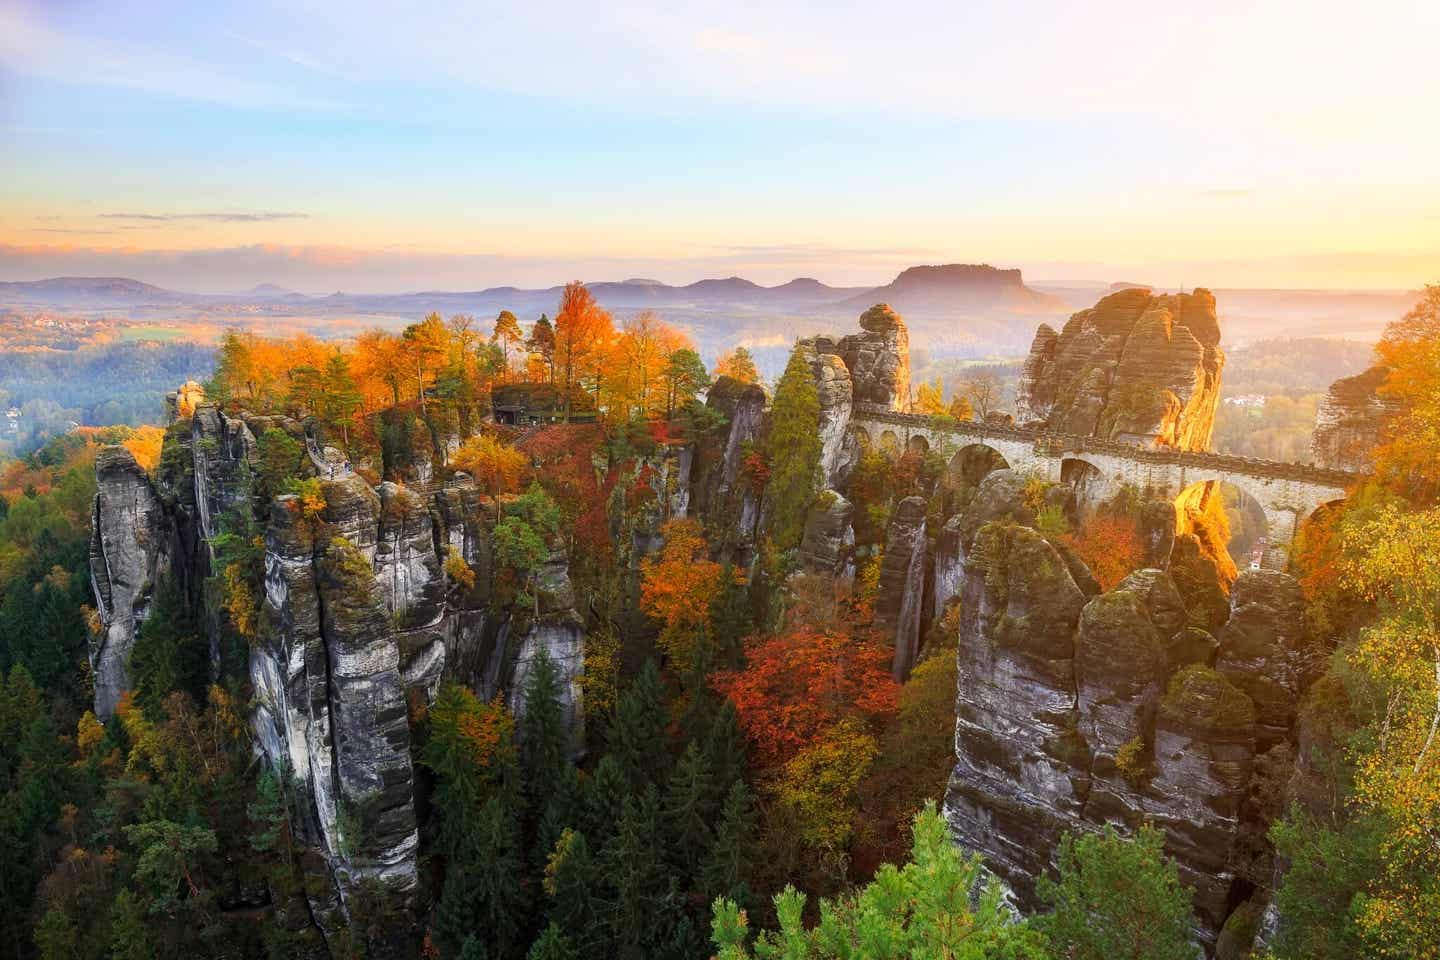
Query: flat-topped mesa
[[1351, 421], [1137, 367]]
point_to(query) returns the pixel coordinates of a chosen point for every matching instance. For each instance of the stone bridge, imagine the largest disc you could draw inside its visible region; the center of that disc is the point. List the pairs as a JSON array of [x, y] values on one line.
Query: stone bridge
[[1288, 493]]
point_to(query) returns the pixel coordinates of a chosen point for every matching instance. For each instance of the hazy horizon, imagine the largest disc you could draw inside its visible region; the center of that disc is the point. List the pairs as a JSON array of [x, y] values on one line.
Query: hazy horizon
[[384, 150]]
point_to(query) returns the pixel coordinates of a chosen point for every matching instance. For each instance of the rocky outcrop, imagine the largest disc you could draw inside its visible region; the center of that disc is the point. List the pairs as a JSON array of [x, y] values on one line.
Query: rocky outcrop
[[902, 583], [127, 557], [1263, 649], [834, 387], [1156, 526], [879, 358], [1351, 421], [1074, 711], [1136, 367], [407, 569], [361, 617], [1021, 771], [223, 449], [829, 539], [556, 630], [1198, 578], [719, 491]]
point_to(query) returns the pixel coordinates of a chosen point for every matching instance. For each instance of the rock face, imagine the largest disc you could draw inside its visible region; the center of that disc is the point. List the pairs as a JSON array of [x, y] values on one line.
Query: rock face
[[1263, 647], [1351, 421], [719, 490], [361, 616], [902, 583], [879, 358], [835, 389], [1136, 367], [1074, 711], [829, 539], [127, 557]]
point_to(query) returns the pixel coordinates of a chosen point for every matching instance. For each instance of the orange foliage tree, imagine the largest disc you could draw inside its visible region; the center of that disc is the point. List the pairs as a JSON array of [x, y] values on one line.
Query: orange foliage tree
[[1406, 462], [800, 683], [677, 588], [739, 365], [495, 465], [1110, 546], [583, 334]]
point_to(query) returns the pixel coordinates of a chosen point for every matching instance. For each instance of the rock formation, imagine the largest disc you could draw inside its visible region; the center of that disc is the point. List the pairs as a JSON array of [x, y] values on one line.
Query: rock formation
[[1351, 421], [719, 490], [360, 619], [879, 358], [835, 389], [902, 583], [828, 540], [1074, 711], [127, 557], [1136, 367]]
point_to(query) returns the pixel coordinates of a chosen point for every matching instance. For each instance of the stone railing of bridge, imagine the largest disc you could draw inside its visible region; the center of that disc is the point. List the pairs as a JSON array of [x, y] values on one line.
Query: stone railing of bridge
[[1060, 444], [1287, 493]]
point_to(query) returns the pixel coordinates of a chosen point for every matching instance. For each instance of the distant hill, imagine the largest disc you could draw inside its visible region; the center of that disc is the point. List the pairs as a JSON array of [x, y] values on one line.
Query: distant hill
[[86, 292], [959, 288]]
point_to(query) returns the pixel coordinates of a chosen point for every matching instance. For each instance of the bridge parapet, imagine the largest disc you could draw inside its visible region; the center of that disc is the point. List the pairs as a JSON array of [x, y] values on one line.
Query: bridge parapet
[[1059, 444]]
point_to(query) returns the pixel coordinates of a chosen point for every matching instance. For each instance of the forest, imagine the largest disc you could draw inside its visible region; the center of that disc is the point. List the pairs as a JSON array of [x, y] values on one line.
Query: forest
[[754, 774]]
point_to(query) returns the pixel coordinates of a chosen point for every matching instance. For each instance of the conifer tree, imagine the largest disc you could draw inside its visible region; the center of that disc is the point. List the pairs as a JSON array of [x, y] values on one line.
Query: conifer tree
[[495, 872], [725, 748], [544, 740], [688, 809], [726, 871], [129, 929], [731, 620], [473, 949], [573, 885], [637, 733], [553, 944], [793, 449], [604, 800], [635, 865]]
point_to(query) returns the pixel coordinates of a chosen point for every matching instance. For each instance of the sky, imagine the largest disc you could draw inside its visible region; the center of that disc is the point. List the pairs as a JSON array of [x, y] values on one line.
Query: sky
[[379, 146]]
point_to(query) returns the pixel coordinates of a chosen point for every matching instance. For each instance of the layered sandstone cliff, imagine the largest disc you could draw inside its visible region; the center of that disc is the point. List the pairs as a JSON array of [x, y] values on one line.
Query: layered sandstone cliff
[[360, 619], [1136, 367], [1351, 421], [1076, 710]]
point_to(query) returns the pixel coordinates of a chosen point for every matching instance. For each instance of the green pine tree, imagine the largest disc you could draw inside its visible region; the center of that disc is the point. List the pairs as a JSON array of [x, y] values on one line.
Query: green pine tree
[[544, 739], [726, 872], [473, 949], [604, 800], [1116, 898], [129, 929], [55, 935], [553, 944], [688, 809], [637, 733], [573, 884], [635, 865], [731, 621], [793, 449], [725, 748]]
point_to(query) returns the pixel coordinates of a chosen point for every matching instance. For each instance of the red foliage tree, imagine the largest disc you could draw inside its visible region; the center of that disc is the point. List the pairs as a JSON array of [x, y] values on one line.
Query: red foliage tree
[[798, 684]]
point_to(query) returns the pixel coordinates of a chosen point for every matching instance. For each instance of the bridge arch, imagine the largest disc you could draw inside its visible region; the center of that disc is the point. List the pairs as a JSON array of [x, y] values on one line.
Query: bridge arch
[[1092, 487], [890, 442], [972, 462], [861, 435], [917, 444], [1251, 532]]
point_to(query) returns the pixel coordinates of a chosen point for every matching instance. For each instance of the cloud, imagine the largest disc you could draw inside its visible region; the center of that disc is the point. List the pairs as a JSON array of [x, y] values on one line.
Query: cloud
[[1226, 193], [258, 217]]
